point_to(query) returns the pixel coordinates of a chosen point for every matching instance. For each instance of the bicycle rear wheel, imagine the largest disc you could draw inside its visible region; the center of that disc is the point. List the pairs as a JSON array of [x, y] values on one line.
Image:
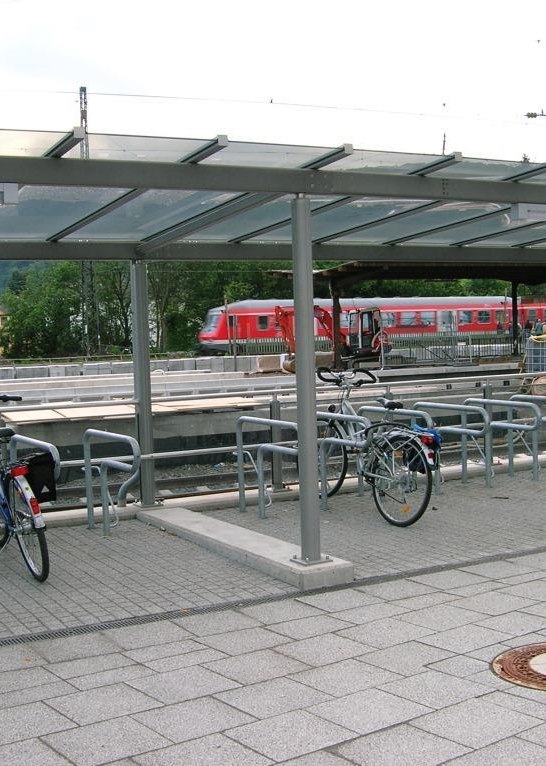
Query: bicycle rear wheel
[[32, 542], [402, 480], [335, 456]]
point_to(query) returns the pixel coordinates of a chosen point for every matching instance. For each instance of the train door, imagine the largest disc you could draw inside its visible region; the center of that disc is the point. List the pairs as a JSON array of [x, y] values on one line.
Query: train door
[[446, 320]]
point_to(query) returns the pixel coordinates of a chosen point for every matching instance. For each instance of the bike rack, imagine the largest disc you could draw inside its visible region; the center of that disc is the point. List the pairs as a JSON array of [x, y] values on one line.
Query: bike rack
[[241, 450], [275, 449], [106, 464], [464, 431], [322, 465], [412, 414], [356, 443], [51, 448], [509, 426]]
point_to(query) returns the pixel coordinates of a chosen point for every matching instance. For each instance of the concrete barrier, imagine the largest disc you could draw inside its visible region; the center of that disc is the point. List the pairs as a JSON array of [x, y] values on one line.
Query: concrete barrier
[[37, 371]]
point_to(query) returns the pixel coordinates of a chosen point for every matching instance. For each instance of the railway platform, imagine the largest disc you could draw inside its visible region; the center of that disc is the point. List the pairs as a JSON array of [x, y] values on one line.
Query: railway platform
[[145, 649]]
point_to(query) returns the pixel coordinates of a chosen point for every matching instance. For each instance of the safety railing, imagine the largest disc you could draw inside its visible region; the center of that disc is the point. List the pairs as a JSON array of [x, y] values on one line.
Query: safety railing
[[104, 466]]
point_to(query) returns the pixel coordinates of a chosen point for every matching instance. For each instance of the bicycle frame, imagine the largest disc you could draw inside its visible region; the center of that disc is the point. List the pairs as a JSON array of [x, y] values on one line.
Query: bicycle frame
[[17, 473]]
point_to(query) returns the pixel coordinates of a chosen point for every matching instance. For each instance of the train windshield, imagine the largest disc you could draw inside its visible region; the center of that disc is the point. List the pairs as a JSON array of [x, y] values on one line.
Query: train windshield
[[211, 321]]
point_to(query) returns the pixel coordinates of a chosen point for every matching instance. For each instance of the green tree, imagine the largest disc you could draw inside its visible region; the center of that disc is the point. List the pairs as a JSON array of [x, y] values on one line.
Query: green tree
[[43, 312], [112, 281]]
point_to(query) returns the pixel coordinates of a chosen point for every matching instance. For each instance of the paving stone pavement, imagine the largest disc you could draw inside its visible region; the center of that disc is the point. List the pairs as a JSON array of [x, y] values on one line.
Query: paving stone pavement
[[391, 671], [306, 680], [138, 571], [463, 522]]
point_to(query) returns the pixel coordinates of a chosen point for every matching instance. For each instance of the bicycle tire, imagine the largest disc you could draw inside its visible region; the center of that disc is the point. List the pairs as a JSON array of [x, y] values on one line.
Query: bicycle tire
[[32, 542], [402, 481], [335, 455]]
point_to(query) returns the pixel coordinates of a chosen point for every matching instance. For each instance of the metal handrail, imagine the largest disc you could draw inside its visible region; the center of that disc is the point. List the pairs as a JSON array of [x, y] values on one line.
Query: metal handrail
[[105, 464]]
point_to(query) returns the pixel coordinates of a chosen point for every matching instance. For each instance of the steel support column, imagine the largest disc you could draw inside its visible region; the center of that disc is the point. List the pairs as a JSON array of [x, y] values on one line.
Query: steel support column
[[305, 380], [141, 373], [515, 319]]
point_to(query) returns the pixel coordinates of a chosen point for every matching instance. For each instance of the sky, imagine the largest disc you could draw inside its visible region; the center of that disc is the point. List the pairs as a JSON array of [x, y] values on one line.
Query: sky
[[422, 76]]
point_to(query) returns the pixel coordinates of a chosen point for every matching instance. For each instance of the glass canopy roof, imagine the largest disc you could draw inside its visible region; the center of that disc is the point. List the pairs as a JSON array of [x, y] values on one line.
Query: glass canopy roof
[[55, 212]]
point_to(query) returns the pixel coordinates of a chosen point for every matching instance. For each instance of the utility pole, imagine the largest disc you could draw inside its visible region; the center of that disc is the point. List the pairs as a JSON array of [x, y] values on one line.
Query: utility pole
[[90, 309]]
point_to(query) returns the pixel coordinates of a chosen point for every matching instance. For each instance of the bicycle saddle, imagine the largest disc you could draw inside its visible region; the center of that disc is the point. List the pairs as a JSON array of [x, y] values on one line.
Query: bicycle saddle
[[390, 404]]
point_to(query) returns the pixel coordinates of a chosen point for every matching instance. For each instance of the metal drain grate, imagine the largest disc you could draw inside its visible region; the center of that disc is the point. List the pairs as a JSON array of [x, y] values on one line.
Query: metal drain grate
[[78, 630], [523, 666]]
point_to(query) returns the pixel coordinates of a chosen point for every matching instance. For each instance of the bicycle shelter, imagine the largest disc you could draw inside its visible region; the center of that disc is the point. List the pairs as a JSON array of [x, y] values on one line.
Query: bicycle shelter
[[141, 199]]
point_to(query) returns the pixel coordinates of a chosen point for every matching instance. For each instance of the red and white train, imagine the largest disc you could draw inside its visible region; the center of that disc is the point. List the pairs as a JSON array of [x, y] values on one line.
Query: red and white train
[[255, 320]]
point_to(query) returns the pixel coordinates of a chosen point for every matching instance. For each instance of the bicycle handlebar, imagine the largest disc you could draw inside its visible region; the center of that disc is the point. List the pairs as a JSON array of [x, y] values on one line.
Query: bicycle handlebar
[[10, 398], [339, 378]]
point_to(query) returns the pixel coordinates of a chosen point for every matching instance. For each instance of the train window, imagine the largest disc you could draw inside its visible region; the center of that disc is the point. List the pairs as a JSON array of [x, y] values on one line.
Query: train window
[[428, 318], [387, 319], [211, 321], [232, 320], [484, 317], [263, 322], [465, 317], [532, 314], [408, 318]]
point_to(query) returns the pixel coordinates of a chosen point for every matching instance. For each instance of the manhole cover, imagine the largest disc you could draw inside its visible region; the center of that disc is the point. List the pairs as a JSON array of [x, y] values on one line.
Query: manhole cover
[[525, 666]]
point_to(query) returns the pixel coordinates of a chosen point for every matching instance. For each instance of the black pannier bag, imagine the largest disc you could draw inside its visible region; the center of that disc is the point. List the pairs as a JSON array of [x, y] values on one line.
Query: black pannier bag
[[41, 476]]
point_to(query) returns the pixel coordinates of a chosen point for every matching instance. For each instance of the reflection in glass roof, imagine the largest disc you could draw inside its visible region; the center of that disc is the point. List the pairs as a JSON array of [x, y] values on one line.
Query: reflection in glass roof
[[491, 225], [517, 236], [43, 211], [144, 148], [26, 143], [153, 211], [384, 162], [266, 155], [270, 213], [486, 170]]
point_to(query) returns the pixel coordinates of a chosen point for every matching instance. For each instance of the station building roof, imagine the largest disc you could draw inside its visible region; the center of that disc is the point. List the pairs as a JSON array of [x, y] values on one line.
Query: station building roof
[[387, 214]]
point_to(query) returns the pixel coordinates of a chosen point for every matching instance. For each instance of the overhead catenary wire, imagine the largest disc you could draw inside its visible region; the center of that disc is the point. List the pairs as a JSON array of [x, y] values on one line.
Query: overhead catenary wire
[[267, 100]]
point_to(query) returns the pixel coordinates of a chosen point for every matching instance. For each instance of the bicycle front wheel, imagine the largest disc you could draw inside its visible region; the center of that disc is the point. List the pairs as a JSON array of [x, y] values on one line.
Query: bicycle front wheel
[[32, 542], [402, 480], [335, 456]]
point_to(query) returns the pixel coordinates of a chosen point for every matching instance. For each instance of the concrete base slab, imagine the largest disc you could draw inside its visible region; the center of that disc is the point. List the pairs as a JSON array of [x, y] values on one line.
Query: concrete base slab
[[267, 554]]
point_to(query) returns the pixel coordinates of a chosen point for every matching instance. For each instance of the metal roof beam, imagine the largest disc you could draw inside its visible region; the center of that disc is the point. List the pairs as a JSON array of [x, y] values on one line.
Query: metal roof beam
[[520, 260], [494, 234], [345, 150], [66, 143], [211, 147], [440, 164], [134, 174], [526, 174], [445, 227], [378, 222], [206, 150]]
